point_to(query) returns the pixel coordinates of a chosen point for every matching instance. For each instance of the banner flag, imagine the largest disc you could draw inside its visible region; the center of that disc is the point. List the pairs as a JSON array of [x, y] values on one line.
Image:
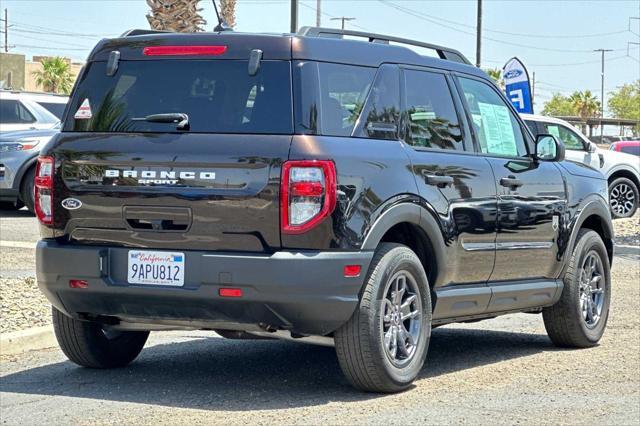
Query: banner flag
[[517, 86]]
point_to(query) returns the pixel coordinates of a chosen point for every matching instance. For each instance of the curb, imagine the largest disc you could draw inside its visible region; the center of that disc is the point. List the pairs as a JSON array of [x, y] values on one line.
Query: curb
[[31, 339], [626, 249]]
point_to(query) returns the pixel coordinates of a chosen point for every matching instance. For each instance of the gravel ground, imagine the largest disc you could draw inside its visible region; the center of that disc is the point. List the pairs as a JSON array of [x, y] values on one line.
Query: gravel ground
[[628, 230]]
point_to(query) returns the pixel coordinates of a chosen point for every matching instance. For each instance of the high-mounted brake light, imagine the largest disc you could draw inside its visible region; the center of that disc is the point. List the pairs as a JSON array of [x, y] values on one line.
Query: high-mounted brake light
[[307, 194], [184, 50], [44, 190]]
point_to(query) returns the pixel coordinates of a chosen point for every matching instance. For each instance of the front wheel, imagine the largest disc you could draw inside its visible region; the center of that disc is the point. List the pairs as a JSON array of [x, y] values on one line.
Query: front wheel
[[579, 318], [382, 348], [90, 344], [623, 198]]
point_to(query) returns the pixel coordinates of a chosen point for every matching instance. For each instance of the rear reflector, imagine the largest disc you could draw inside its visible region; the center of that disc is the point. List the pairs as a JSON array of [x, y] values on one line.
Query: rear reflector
[[78, 284], [183, 50], [230, 292], [352, 270]]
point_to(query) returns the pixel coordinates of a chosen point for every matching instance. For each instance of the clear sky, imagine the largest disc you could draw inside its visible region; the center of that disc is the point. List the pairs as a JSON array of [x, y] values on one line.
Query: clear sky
[[554, 38]]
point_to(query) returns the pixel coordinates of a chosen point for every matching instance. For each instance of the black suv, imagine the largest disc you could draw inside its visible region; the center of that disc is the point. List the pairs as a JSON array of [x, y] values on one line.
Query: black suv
[[314, 187]]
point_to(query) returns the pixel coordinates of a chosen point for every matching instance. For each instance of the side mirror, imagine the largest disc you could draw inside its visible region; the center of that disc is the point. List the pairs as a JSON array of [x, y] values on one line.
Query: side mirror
[[548, 148], [592, 147]]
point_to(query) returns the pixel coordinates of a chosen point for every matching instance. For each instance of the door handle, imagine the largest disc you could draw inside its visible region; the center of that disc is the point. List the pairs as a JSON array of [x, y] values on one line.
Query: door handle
[[439, 180], [511, 182]]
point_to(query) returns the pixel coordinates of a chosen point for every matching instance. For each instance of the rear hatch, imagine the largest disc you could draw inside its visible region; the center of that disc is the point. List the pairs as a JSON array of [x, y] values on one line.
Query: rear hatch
[[130, 177]]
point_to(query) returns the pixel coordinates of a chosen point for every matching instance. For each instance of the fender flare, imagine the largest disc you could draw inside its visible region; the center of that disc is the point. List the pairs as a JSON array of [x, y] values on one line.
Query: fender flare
[[591, 207], [415, 214]]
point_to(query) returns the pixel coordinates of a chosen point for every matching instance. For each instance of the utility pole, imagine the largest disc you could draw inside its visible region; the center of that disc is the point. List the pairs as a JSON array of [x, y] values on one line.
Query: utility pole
[[343, 19], [294, 16], [479, 34], [533, 89], [318, 13], [603, 51], [6, 31]]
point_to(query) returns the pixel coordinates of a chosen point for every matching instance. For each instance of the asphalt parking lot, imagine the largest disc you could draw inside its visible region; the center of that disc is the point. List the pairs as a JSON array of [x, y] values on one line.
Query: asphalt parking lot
[[501, 371]]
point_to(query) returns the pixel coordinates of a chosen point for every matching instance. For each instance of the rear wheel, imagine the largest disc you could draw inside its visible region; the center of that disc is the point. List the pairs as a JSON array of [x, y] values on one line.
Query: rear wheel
[[27, 194], [382, 348], [579, 318], [623, 198], [90, 344]]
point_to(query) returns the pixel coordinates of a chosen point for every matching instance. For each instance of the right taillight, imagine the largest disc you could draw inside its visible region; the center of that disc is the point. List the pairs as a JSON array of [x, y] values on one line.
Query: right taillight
[[308, 194], [44, 190]]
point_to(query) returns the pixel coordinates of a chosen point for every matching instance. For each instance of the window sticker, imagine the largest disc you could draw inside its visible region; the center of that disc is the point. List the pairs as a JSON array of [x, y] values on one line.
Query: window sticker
[[84, 112], [497, 129]]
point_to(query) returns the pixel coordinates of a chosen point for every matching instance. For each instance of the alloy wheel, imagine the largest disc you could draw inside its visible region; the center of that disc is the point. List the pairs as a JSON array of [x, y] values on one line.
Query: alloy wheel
[[592, 289], [622, 199], [401, 320]]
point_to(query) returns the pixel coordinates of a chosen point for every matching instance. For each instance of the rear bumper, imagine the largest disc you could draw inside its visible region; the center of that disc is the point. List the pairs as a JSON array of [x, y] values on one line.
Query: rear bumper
[[305, 292]]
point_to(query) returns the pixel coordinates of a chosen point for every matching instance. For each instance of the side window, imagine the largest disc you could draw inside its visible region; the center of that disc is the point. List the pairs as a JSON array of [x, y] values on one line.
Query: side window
[[381, 114], [343, 89], [433, 122], [495, 125], [13, 112], [567, 136]]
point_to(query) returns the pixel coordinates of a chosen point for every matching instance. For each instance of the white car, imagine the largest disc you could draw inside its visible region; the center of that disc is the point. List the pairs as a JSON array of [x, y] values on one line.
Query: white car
[[25, 111], [621, 170]]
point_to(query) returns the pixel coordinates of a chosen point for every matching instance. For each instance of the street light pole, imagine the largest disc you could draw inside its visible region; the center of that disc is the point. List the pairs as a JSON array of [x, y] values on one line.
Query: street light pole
[[603, 51]]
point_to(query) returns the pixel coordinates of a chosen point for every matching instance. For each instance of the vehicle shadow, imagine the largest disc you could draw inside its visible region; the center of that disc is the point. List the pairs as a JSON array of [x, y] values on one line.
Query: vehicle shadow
[[23, 212], [227, 375]]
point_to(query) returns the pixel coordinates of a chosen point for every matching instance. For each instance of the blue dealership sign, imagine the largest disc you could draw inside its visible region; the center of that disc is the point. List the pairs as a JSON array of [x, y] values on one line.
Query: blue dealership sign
[[517, 85]]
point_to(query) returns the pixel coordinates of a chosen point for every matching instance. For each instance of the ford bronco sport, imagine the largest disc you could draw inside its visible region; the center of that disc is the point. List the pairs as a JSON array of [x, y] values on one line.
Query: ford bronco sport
[[314, 187]]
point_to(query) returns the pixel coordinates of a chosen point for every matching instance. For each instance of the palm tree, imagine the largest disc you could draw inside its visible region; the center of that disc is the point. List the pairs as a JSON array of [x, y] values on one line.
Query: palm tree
[[585, 104], [181, 16], [496, 76], [55, 75], [228, 12]]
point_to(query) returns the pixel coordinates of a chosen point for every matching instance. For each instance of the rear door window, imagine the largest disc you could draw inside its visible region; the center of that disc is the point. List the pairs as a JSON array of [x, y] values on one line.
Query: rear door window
[[54, 108], [630, 149], [13, 112], [433, 121], [218, 96]]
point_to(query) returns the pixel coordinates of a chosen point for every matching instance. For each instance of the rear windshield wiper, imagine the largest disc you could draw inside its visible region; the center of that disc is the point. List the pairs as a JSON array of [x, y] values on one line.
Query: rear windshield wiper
[[180, 118]]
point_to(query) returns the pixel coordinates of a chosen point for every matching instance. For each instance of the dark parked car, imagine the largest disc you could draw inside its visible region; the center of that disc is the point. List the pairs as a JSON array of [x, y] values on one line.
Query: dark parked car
[[309, 187]]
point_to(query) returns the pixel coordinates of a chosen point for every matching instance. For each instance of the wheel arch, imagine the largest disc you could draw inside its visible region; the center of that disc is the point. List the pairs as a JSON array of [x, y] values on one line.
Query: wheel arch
[[595, 216], [413, 225], [626, 173], [31, 162]]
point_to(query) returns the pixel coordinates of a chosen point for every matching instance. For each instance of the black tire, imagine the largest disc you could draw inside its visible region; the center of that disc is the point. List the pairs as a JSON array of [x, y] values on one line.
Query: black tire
[[86, 344], [360, 343], [27, 195], [565, 321], [620, 189]]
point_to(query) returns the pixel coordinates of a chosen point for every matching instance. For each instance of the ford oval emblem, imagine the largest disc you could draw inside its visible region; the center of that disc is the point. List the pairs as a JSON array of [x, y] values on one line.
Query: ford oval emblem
[[71, 203], [513, 74]]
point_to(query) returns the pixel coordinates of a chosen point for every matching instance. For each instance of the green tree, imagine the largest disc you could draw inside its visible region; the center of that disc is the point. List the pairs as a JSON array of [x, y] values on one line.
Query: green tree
[[585, 104], [625, 102], [496, 76], [55, 75], [559, 105]]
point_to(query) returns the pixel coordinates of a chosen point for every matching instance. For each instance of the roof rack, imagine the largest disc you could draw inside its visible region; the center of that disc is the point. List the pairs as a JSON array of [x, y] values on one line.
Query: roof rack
[[443, 52], [137, 32]]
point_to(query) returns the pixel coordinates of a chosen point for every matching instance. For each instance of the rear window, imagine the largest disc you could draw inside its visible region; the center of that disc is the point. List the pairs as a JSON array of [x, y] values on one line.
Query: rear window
[[13, 112], [630, 149], [218, 96], [54, 108]]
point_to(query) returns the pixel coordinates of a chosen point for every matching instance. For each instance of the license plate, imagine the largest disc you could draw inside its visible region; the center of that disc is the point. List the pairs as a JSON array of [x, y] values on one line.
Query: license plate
[[155, 268]]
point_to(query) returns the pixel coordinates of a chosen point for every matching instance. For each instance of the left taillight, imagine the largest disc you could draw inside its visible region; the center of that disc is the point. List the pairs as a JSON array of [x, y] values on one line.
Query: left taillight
[[44, 190], [307, 194]]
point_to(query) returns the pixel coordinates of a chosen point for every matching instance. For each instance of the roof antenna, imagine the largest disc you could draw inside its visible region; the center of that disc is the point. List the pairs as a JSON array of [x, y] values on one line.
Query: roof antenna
[[222, 25]]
